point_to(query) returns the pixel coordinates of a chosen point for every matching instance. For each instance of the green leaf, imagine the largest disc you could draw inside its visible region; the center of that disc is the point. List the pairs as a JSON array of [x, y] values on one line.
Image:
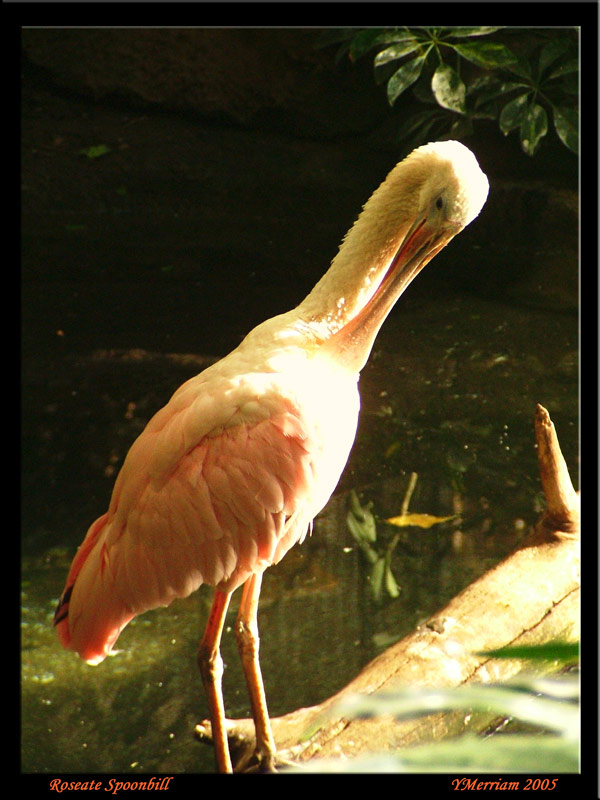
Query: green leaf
[[396, 51], [486, 93], [361, 524], [463, 126], [404, 77], [369, 553], [549, 651], [513, 113], [448, 89], [569, 84], [522, 68], [565, 69], [364, 41], [519, 700], [480, 31], [391, 585], [422, 90], [547, 703], [551, 51], [95, 151], [519, 753], [362, 518], [533, 128], [376, 578], [421, 127], [357, 528], [566, 123], [485, 54]]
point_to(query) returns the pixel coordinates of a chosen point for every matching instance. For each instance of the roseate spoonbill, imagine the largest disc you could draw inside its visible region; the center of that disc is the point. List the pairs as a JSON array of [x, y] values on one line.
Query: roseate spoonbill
[[229, 475]]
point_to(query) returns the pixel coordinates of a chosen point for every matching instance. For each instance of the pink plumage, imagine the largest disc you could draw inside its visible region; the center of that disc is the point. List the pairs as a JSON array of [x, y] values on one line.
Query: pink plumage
[[231, 505], [230, 473]]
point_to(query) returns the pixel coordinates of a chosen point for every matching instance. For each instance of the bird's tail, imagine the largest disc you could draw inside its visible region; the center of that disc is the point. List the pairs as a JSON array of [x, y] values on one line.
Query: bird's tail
[[89, 618]]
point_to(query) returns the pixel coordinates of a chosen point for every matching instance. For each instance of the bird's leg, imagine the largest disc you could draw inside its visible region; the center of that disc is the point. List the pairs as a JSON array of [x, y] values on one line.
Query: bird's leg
[[246, 634], [211, 670]]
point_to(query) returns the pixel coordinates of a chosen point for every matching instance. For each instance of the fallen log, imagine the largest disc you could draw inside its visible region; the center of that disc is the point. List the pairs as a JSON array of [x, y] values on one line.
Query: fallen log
[[531, 597]]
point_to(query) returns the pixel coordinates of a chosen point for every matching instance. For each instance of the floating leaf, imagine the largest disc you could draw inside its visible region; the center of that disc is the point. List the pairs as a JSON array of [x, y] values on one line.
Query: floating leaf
[[383, 640], [418, 520], [392, 449], [95, 151]]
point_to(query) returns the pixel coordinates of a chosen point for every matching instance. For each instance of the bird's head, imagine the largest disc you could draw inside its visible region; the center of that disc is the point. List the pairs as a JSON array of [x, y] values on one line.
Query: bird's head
[[423, 203], [450, 188]]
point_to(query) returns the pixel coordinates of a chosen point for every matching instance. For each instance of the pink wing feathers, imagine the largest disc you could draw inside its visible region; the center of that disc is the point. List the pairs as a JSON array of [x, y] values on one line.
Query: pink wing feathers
[[185, 513]]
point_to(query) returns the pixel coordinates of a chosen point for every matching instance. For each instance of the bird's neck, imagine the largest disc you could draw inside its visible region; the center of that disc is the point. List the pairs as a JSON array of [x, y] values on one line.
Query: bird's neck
[[345, 288], [351, 345], [347, 307]]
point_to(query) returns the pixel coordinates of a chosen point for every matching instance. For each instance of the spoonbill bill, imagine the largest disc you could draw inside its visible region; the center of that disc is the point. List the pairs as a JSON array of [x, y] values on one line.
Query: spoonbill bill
[[229, 475]]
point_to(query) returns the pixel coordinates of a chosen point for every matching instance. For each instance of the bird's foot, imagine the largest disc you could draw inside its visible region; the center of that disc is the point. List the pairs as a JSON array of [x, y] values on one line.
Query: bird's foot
[[263, 763], [240, 736], [256, 763], [245, 755], [241, 741]]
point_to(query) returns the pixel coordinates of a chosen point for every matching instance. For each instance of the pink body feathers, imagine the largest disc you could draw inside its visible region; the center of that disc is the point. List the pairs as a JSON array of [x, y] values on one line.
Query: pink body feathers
[[221, 483]]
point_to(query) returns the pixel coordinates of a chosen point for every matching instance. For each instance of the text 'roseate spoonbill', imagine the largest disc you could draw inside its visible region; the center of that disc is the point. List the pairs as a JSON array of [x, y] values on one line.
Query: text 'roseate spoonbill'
[[229, 475]]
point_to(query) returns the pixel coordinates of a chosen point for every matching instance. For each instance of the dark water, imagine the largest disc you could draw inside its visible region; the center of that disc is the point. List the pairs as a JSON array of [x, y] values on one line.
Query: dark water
[[449, 394]]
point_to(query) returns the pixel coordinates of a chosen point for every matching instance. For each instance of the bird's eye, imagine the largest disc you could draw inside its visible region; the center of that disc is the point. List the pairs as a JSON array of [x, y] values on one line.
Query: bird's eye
[[439, 203]]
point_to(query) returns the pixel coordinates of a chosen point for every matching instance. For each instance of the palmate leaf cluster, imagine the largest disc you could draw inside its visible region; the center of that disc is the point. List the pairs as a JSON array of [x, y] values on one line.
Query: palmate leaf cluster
[[462, 75]]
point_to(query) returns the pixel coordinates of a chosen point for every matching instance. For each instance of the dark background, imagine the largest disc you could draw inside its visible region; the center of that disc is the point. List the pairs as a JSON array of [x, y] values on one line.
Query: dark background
[[234, 162]]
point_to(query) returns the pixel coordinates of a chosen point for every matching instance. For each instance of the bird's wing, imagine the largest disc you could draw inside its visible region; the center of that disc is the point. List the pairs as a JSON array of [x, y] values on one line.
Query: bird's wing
[[191, 507]]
